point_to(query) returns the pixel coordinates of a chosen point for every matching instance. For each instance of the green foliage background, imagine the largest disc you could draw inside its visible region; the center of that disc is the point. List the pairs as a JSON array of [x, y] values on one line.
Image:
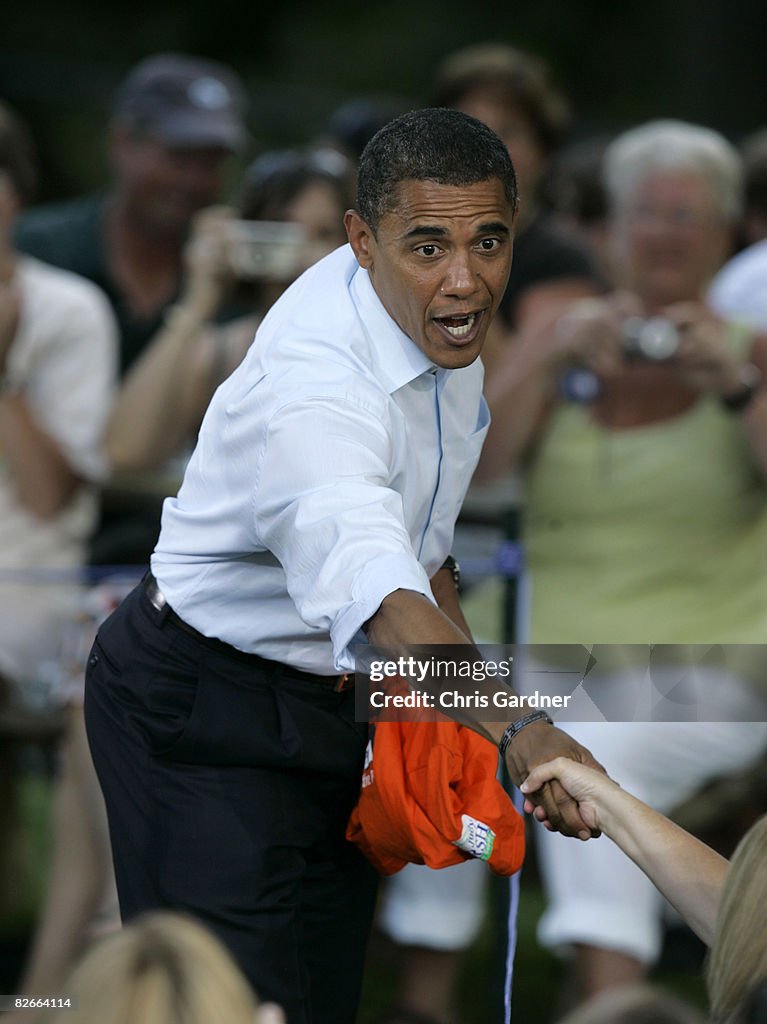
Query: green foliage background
[[703, 60]]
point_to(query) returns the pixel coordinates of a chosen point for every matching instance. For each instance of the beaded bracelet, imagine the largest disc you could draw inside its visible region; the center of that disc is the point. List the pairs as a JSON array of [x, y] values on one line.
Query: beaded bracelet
[[511, 730]]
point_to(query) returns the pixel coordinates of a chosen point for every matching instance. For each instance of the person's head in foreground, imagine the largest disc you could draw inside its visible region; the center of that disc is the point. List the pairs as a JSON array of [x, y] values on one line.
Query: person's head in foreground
[[162, 968], [436, 201], [737, 964]]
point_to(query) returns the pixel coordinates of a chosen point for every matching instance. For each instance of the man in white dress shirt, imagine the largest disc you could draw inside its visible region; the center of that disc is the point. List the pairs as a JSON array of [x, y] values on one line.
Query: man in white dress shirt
[[316, 513]]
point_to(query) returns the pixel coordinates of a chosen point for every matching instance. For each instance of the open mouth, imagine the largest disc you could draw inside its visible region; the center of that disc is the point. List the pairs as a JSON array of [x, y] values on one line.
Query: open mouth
[[459, 328]]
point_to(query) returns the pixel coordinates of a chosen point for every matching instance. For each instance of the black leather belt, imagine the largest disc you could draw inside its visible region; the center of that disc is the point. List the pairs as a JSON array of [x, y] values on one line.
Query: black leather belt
[[159, 602]]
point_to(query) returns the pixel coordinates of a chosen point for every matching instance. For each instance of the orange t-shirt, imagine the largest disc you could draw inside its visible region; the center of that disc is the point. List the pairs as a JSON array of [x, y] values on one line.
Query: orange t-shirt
[[430, 795]]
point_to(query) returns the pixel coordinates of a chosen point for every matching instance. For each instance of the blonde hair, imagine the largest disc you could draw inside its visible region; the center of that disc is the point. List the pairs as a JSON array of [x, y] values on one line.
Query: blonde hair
[[737, 963], [162, 968]]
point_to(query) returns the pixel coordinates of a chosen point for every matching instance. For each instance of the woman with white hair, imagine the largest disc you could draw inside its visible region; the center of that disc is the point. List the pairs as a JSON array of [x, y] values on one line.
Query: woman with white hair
[[641, 422]]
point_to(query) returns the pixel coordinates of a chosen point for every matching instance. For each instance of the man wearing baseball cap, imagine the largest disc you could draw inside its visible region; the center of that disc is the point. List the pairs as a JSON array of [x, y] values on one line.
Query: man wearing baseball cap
[[175, 122]]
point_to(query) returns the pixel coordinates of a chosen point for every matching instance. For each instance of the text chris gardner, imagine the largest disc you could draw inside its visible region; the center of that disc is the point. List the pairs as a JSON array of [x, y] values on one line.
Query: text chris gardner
[[424, 672], [455, 699]]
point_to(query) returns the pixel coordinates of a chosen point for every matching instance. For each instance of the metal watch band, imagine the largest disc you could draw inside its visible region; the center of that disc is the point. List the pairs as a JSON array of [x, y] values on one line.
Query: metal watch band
[[511, 730]]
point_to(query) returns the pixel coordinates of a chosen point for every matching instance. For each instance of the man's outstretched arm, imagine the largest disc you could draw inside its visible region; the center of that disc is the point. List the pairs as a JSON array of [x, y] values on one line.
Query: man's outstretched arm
[[407, 618]]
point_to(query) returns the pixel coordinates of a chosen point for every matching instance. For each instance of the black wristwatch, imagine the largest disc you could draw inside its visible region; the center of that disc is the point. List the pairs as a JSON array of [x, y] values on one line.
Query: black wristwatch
[[451, 564], [751, 384]]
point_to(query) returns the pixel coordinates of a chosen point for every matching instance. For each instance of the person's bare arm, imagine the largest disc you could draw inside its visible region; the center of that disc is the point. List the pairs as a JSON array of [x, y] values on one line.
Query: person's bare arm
[[688, 873], [41, 475], [754, 417], [519, 384], [705, 362], [407, 618], [164, 396]]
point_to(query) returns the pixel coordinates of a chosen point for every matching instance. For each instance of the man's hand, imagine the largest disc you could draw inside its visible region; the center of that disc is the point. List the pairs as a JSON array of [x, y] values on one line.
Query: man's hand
[[551, 804]]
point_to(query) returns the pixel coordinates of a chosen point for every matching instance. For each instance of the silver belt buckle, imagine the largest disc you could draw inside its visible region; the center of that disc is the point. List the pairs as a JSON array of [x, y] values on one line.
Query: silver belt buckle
[[155, 595]]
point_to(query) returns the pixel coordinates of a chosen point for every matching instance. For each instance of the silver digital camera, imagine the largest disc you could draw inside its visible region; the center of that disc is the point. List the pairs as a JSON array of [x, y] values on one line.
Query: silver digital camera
[[268, 250], [655, 339]]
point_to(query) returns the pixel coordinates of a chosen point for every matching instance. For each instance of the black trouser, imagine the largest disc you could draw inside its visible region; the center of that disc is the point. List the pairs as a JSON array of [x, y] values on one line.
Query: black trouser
[[228, 785]]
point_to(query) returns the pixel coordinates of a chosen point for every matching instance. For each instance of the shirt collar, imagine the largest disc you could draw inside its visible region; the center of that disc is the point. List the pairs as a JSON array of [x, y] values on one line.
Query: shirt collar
[[398, 359]]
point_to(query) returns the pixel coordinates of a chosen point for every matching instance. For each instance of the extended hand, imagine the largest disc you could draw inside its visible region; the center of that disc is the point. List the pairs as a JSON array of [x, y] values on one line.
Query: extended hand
[[550, 802], [588, 787], [206, 258]]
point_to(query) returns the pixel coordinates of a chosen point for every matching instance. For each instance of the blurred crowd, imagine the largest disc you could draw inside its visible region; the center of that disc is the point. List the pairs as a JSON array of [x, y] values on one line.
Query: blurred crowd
[[626, 375]]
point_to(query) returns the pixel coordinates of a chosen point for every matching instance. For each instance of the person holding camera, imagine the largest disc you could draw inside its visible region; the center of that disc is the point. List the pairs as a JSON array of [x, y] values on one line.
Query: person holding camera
[[288, 214], [640, 420]]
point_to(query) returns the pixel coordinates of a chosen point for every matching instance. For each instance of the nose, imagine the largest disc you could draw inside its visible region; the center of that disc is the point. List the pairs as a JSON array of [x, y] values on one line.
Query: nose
[[461, 278]]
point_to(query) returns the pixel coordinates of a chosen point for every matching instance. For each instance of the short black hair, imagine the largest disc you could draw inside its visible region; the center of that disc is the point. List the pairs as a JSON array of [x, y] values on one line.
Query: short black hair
[[430, 144], [18, 158]]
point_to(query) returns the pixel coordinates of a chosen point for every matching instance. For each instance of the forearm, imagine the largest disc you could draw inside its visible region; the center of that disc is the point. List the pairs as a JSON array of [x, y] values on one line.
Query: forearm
[[407, 620], [41, 475], [754, 420], [519, 398], [520, 377], [688, 873], [156, 408]]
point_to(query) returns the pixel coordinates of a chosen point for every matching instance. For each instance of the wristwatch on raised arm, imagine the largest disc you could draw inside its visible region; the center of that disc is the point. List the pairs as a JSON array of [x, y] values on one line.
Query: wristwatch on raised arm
[[750, 385]]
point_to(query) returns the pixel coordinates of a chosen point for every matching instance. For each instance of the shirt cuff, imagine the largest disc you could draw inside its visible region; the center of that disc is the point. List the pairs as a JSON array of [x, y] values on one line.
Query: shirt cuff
[[376, 581]]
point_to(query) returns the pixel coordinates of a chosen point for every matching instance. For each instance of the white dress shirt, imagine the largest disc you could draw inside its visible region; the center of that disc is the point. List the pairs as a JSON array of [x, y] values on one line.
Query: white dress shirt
[[329, 472]]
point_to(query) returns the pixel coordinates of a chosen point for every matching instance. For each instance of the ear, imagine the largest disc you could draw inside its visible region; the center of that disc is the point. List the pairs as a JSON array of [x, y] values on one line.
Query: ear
[[361, 238]]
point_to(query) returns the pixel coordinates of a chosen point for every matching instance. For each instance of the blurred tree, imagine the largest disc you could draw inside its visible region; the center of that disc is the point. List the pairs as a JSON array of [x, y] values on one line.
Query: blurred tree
[[702, 60]]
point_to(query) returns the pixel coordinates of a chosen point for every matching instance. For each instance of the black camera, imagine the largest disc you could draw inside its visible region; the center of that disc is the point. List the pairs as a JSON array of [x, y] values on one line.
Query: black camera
[[654, 340]]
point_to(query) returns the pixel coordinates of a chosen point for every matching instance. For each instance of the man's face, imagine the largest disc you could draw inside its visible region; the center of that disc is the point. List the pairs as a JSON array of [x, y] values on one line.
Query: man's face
[[439, 263], [165, 186]]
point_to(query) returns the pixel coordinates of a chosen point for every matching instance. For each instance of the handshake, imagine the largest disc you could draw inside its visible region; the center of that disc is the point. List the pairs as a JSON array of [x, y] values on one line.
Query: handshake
[[595, 793]]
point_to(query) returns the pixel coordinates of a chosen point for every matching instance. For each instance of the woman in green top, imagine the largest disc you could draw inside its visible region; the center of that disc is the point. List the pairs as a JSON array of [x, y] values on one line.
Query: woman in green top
[[641, 424]]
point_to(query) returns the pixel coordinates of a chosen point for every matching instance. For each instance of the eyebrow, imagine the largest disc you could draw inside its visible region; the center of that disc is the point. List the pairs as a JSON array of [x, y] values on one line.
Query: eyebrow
[[495, 227]]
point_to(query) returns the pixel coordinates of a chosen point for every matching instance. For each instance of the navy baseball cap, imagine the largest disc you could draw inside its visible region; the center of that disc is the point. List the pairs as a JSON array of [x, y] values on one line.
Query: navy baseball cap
[[184, 101]]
